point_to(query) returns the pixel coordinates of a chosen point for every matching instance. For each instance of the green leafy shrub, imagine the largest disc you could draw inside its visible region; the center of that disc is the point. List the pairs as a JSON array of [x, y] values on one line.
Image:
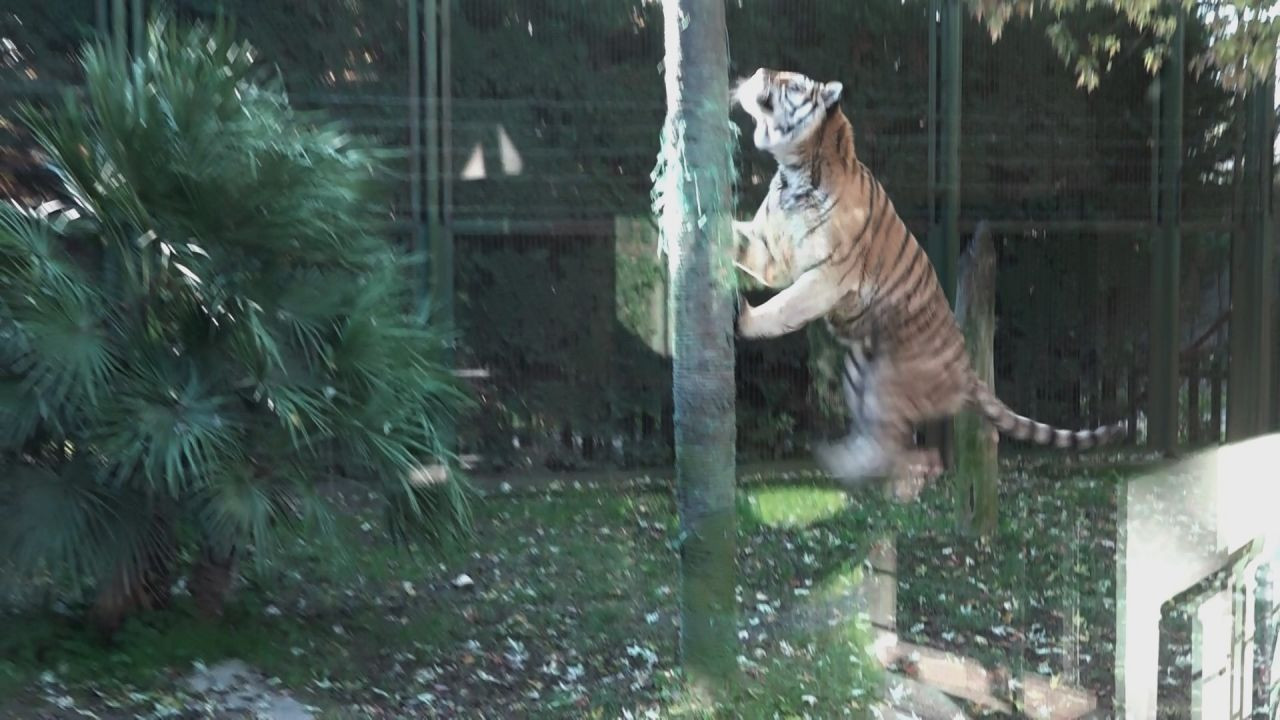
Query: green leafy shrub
[[207, 325]]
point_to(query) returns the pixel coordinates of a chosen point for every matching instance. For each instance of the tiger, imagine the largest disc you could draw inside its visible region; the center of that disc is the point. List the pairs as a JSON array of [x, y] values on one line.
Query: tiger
[[828, 239]]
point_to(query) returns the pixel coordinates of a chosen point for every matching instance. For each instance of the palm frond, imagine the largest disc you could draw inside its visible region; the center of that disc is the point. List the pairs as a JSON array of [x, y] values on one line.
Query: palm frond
[[69, 134], [167, 428], [21, 412], [224, 325], [58, 329], [29, 256], [300, 507], [305, 414], [429, 513], [257, 509], [65, 348], [237, 511], [60, 521]]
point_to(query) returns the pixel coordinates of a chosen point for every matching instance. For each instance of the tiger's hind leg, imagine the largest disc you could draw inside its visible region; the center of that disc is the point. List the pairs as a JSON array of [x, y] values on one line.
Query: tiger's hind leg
[[878, 447], [929, 387], [855, 459], [877, 455], [872, 448], [916, 467], [922, 461]]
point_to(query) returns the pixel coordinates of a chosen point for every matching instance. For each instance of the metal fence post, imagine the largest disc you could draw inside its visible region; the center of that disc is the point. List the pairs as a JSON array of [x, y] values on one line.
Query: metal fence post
[[442, 244], [438, 196], [947, 249], [416, 105], [1249, 383], [137, 25], [943, 243], [440, 237], [1162, 416], [119, 29], [931, 128], [102, 16], [945, 54]]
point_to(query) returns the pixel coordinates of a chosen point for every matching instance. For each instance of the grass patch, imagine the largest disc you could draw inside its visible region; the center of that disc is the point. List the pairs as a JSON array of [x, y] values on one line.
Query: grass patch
[[574, 608], [790, 506], [573, 613], [824, 672], [1014, 600]]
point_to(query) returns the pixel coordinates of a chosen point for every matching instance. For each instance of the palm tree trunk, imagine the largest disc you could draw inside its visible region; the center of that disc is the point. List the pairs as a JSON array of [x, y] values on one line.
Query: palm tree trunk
[[697, 237], [211, 579], [130, 590]]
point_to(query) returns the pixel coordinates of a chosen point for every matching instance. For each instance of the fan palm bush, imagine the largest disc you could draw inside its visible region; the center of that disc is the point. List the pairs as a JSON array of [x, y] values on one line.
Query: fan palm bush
[[202, 328]]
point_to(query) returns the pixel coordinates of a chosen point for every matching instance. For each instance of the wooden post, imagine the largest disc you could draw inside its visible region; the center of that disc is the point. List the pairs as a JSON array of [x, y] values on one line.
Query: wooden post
[[880, 589], [1162, 417], [1252, 277], [977, 465]]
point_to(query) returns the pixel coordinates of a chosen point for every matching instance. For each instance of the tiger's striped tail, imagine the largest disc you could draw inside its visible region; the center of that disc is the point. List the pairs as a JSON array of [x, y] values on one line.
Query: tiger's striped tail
[[1024, 428]]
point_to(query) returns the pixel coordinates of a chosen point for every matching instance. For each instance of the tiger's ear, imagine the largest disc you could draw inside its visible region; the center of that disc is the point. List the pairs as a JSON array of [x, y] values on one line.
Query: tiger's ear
[[831, 93]]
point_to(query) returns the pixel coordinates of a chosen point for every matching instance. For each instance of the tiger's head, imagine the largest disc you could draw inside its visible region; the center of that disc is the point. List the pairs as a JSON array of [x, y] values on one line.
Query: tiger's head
[[787, 107]]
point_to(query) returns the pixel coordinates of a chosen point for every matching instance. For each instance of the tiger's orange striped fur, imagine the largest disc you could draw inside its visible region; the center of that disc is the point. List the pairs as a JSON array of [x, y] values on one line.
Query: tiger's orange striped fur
[[828, 237]]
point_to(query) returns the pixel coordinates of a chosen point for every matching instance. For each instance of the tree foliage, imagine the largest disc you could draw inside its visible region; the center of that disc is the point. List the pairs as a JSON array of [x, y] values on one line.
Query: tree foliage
[[207, 325], [1241, 51]]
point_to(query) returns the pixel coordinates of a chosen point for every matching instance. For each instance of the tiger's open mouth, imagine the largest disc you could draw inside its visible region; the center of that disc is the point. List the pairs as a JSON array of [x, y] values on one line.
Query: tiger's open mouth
[[746, 93], [753, 97]]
